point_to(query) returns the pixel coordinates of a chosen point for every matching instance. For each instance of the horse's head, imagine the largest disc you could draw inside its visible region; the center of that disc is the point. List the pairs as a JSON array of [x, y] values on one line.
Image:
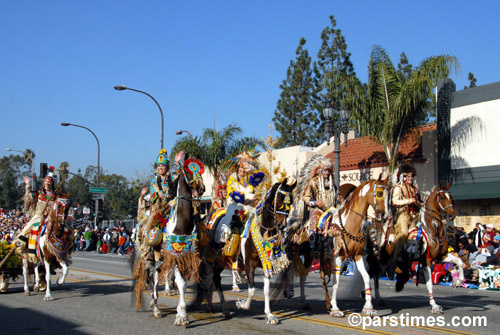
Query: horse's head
[[59, 211], [279, 201], [192, 170], [379, 199], [444, 202]]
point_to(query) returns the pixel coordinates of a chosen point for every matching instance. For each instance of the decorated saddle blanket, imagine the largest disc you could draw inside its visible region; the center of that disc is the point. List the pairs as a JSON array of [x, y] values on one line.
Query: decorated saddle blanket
[[179, 245], [33, 241], [269, 248]]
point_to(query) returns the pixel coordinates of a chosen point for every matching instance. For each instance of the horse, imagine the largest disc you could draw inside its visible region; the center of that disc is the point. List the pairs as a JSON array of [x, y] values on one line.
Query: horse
[[427, 241], [346, 230], [260, 245], [177, 251], [55, 246]]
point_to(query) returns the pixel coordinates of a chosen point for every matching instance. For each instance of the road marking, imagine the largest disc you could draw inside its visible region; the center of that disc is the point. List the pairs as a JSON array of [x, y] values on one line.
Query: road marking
[[287, 315]]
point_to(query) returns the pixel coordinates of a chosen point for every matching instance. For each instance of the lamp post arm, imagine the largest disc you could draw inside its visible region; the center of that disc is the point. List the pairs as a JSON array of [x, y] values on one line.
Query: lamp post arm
[[157, 104], [98, 150]]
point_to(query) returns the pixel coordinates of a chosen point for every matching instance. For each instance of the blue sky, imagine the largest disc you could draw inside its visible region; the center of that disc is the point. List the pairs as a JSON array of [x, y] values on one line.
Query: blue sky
[[206, 62]]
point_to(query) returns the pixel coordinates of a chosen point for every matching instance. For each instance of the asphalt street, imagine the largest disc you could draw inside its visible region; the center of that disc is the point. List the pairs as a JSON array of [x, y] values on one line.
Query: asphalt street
[[96, 299]]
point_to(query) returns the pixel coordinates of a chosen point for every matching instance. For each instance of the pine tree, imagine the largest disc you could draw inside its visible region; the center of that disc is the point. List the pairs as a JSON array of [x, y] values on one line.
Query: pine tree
[[334, 69], [472, 81], [295, 118]]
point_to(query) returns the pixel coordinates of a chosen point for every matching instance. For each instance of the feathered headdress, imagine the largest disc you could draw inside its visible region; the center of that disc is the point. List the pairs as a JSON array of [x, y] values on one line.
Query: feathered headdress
[[247, 159], [162, 157], [404, 169], [308, 172]]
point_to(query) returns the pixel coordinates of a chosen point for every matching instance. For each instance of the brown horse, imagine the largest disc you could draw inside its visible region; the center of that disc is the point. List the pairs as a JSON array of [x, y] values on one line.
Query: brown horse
[[260, 246], [55, 247], [177, 251], [427, 241]]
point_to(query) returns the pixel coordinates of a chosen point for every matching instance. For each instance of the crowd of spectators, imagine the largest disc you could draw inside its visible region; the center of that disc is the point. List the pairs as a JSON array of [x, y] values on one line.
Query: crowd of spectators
[[115, 240], [11, 223]]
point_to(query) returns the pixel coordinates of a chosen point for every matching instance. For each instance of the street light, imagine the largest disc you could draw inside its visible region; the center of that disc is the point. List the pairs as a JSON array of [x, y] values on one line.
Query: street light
[[123, 87], [65, 124], [179, 132], [32, 165], [335, 129]]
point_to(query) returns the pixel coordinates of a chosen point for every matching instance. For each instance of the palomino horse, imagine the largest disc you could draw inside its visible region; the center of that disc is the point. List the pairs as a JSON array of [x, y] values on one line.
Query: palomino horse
[[54, 247], [178, 252], [426, 242], [260, 245], [347, 229]]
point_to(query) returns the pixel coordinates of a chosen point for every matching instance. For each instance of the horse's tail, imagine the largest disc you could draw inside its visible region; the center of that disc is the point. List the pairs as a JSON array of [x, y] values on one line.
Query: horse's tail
[[204, 286], [139, 277], [402, 276], [282, 283]]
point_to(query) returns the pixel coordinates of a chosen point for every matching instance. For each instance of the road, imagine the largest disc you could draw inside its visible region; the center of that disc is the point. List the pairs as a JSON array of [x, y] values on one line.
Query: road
[[96, 299]]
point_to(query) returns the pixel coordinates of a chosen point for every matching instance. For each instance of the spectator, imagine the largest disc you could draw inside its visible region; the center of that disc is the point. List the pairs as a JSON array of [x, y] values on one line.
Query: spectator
[[86, 236], [121, 243], [489, 241], [114, 245]]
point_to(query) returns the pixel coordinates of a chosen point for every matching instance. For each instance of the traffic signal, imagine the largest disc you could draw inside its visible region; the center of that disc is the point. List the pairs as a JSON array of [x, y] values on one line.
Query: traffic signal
[[44, 171], [101, 204], [92, 206]]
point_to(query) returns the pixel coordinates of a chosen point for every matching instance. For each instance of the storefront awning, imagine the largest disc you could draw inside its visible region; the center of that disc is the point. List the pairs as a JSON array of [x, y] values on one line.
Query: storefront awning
[[471, 191]]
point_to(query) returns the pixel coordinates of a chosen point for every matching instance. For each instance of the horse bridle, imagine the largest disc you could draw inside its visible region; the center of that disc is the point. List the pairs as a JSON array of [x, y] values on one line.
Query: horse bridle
[[274, 211]]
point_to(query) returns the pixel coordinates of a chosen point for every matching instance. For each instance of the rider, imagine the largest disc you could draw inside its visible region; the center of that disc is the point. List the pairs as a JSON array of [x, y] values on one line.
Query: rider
[[220, 201], [405, 199], [45, 198], [318, 196], [162, 189]]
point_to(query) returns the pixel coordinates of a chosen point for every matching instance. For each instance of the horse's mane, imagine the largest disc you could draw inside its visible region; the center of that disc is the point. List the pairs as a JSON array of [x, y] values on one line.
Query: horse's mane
[[307, 173]]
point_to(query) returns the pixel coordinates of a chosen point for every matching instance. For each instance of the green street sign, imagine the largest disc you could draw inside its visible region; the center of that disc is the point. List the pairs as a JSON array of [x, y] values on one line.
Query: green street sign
[[98, 190]]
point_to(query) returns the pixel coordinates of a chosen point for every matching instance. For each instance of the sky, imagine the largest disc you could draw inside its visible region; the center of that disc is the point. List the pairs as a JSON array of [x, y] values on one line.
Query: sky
[[207, 63]]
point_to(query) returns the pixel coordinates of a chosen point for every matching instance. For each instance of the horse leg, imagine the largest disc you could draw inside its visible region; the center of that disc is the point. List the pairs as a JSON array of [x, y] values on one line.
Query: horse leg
[[334, 310], [65, 270], [217, 281], [289, 291], [245, 304], [25, 277], [181, 318], [270, 318], [325, 288], [37, 286], [303, 300], [154, 295], [169, 283], [428, 282], [48, 295], [4, 283], [236, 278], [368, 307]]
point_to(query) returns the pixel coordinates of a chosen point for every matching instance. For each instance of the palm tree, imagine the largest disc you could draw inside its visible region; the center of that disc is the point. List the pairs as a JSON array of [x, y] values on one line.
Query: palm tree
[[216, 147], [392, 103]]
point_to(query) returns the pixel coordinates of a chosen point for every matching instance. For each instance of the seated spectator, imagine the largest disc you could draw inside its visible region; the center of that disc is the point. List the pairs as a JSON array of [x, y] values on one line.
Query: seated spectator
[[489, 241]]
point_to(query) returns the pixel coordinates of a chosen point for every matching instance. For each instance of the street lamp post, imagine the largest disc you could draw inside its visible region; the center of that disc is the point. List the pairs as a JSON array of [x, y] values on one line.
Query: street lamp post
[[123, 87], [179, 132], [336, 128], [65, 124], [33, 175]]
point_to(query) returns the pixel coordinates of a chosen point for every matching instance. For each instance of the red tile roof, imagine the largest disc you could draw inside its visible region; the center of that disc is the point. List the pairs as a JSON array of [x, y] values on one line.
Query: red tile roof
[[365, 152]]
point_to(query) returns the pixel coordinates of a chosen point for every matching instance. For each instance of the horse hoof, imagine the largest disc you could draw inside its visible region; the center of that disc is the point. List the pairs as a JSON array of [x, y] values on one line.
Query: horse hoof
[[437, 309], [337, 313], [27, 293], [226, 315], [241, 304], [369, 312], [49, 298], [36, 288], [158, 315], [272, 320], [181, 321], [306, 306], [289, 294], [236, 288]]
